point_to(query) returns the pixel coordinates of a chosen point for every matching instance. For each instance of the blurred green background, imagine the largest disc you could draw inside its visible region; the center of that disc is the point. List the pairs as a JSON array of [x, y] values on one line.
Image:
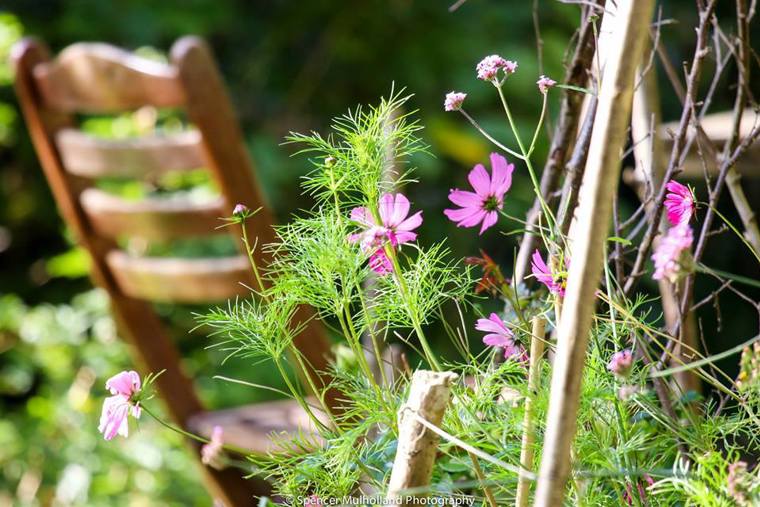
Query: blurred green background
[[288, 66]]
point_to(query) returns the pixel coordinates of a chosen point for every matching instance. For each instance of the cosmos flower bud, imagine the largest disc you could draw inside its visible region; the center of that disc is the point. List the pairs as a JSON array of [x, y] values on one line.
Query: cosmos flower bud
[[621, 363]]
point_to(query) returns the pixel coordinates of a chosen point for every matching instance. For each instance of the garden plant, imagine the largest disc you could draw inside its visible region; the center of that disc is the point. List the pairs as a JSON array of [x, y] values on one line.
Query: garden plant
[[641, 433], [584, 387]]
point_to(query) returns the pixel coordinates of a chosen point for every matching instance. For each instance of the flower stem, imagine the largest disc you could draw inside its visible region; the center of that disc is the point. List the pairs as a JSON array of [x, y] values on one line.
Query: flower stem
[[488, 136], [192, 436], [526, 157], [297, 396], [391, 253]]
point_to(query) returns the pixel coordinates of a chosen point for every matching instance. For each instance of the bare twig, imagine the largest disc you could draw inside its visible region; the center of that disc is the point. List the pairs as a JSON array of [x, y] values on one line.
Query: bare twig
[[567, 124], [692, 85], [574, 170], [534, 376], [648, 152]]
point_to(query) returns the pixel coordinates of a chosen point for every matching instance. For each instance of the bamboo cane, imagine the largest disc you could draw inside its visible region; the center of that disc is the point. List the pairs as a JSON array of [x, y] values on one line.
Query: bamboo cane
[[417, 445], [594, 216], [534, 375]]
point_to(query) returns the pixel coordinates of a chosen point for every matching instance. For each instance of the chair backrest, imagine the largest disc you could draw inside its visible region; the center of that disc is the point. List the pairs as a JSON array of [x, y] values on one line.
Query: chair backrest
[[89, 78]]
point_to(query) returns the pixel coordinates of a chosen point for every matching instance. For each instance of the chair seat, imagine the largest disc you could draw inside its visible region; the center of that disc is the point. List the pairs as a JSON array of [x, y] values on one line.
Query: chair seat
[[262, 427]]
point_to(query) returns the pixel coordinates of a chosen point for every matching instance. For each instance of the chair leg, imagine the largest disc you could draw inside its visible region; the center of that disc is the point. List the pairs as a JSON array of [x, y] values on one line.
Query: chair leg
[[232, 489]]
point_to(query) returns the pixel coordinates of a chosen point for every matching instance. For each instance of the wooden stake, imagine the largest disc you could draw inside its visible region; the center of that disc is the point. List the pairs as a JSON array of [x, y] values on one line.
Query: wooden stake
[[594, 216], [534, 375], [417, 445]]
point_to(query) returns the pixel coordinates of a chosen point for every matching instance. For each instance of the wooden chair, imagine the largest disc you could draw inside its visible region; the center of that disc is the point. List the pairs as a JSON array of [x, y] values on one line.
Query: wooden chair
[[98, 78]]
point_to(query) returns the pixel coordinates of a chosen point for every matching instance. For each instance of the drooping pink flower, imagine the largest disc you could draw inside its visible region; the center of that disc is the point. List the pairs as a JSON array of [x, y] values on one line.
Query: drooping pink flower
[[555, 282], [620, 363], [499, 335], [454, 101], [488, 68], [669, 256], [116, 409], [125, 383], [544, 83], [679, 203], [211, 451], [481, 206], [394, 228]]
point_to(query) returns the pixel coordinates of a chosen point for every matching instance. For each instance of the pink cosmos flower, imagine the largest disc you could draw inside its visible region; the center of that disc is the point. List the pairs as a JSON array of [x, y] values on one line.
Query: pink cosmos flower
[[500, 336], [544, 83], [211, 451], [480, 207], [454, 101], [668, 257], [113, 419], [679, 203], [555, 282], [394, 227], [488, 68], [621, 363]]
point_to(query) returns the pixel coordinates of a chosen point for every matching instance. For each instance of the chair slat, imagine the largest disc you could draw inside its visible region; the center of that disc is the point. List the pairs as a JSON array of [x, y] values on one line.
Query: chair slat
[[152, 218], [260, 428], [100, 78], [718, 127], [90, 157], [177, 280]]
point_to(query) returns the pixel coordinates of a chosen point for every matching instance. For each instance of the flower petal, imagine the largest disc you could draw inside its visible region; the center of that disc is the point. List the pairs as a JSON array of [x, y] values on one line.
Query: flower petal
[[490, 219], [493, 324], [465, 217], [400, 210], [362, 216], [465, 199], [540, 270], [385, 208], [402, 237], [501, 178], [480, 180], [496, 340], [113, 418], [125, 383], [410, 223]]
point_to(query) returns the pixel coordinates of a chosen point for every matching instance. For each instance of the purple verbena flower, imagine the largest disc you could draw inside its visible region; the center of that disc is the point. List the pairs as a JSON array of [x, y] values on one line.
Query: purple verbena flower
[[488, 68], [454, 101], [544, 83]]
